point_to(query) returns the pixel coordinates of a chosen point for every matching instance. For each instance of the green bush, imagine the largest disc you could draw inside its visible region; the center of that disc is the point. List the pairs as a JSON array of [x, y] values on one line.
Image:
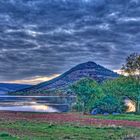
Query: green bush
[[4, 134], [87, 91], [108, 96], [78, 107], [110, 104]]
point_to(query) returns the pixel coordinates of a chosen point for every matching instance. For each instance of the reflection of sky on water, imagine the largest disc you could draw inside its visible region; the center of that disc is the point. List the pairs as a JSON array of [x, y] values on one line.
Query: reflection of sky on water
[[29, 108], [26, 106], [33, 103]]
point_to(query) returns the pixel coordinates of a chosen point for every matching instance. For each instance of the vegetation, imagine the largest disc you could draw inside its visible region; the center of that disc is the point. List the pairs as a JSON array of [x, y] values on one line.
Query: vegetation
[[122, 87], [109, 96], [7, 136], [132, 66], [25, 130], [109, 104], [88, 92], [130, 117]]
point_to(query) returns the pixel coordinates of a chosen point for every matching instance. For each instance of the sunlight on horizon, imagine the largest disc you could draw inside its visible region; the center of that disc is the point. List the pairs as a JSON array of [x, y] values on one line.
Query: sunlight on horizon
[[33, 80], [38, 79]]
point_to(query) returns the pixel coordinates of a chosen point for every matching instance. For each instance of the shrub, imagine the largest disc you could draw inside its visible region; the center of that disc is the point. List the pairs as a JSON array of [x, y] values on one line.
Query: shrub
[[110, 104]]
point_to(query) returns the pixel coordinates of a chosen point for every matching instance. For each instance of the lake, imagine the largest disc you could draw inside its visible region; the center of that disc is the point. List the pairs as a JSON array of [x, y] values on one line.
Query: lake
[[36, 103]]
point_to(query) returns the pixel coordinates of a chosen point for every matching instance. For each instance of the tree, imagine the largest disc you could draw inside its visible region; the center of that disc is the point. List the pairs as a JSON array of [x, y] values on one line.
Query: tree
[[132, 66], [123, 87], [88, 91], [109, 104]]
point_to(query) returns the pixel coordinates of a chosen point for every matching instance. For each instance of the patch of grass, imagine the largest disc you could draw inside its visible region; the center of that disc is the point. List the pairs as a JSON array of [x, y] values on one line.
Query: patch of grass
[[3, 134], [6, 136], [130, 117], [27, 130]]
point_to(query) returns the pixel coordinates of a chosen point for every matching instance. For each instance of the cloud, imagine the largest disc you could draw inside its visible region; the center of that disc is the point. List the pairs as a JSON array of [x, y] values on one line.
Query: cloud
[[47, 37], [32, 80]]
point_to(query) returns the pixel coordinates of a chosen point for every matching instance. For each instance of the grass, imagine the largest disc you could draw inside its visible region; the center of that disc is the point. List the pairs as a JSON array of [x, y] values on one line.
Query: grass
[[7, 136], [17, 126], [130, 117], [34, 130]]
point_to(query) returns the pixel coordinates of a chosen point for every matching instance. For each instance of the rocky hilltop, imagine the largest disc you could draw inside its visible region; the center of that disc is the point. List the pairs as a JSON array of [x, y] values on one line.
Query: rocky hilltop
[[84, 70]]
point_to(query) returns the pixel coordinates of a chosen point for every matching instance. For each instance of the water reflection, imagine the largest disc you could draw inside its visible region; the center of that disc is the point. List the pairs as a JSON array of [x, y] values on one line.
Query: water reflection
[[34, 107], [29, 109], [33, 104]]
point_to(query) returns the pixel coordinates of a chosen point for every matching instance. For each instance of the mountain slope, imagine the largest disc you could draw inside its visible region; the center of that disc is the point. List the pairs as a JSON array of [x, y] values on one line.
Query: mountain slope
[[7, 87], [88, 69]]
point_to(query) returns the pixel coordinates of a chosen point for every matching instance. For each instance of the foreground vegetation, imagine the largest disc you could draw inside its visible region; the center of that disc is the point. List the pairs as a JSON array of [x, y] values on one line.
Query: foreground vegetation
[[73, 126], [130, 117], [31, 130]]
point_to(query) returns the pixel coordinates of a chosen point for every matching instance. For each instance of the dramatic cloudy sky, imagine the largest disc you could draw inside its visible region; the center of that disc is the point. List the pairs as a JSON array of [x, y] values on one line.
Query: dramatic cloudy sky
[[40, 39]]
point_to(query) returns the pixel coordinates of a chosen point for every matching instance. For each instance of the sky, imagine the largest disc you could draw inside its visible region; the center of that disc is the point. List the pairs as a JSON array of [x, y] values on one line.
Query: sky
[[40, 39]]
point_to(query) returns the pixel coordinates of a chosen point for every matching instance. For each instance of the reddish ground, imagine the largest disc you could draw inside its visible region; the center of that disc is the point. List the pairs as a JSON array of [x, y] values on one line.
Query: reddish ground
[[66, 118]]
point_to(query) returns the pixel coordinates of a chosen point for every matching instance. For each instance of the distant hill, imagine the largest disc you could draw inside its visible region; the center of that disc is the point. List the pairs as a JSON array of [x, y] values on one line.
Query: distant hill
[[6, 87], [88, 69]]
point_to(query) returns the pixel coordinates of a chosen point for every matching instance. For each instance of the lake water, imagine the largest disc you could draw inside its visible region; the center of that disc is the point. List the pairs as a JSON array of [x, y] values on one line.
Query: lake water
[[35, 103]]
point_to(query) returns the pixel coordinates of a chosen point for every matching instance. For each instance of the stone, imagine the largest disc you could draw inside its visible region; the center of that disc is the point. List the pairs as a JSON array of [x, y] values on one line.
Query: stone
[[106, 114], [95, 111], [115, 113]]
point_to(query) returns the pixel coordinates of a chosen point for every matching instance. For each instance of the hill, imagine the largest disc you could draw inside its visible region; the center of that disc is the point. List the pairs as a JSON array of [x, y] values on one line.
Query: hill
[[88, 69], [7, 87]]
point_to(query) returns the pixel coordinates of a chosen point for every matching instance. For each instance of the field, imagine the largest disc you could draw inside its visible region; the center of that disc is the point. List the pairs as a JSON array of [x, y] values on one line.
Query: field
[[129, 117], [35, 126]]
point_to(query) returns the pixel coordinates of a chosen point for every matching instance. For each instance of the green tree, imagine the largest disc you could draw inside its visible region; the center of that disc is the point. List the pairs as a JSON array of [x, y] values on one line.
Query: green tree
[[123, 87], [88, 92], [110, 104], [132, 65]]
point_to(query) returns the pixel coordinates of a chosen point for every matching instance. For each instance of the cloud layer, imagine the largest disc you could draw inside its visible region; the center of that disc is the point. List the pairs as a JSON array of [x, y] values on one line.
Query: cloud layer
[[47, 37]]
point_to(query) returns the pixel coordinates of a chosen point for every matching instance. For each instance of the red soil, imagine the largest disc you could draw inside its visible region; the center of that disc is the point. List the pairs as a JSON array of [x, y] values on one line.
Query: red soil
[[66, 118]]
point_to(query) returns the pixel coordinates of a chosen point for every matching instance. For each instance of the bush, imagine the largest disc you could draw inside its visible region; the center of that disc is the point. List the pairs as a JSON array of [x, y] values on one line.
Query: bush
[[110, 104], [4, 134], [77, 107], [87, 91]]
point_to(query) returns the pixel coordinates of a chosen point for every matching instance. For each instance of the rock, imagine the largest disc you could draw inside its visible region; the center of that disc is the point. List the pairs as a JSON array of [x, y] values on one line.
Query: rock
[[95, 111], [115, 113], [106, 114]]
